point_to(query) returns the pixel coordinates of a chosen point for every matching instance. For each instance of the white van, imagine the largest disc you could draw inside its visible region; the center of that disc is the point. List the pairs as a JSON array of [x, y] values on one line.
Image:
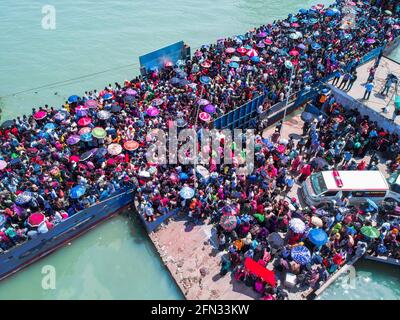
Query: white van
[[325, 186]]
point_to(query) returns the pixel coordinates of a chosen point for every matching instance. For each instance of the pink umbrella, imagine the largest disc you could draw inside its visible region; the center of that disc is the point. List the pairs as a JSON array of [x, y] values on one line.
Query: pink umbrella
[[40, 115], [204, 116], [35, 219], [84, 130], [252, 53], [131, 92], [91, 103], [268, 41], [168, 64], [198, 54], [241, 50], [396, 27], [294, 53], [281, 148], [152, 112], [74, 159], [84, 122], [230, 50], [295, 25], [3, 164]]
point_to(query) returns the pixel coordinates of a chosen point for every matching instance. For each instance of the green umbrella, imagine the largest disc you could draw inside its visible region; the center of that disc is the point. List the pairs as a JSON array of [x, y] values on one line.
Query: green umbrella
[[259, 217], [370, 232], [99, 133], [388, 12]]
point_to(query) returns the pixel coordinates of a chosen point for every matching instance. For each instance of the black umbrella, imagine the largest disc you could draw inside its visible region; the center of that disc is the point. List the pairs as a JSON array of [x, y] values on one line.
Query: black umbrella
[[7, 124]]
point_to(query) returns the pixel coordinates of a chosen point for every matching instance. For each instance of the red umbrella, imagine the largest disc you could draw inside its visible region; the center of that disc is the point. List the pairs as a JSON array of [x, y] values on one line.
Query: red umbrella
[[84, 122], [294, 53], [35, 219], [241, 50], [260, 271], [40, 115]]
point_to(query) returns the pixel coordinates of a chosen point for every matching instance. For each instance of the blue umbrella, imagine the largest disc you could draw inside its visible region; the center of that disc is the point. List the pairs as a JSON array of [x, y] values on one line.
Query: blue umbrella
[[234, 65], [318, 237], [23, 198], [49, 126], [331, 12], [86, 137], [372, 204], [255, 59], [293, 19], [101, 152], [186, 193], [205, 80], [301, 254], [316, 46], [77, 191], [303, 11], [312, 21], [175, 81], [107, 96], [183, 176], [73, 99]]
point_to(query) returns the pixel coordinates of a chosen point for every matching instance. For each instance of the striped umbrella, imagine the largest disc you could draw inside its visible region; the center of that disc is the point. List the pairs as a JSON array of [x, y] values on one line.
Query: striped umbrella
[[301, 255], [23, 198], [228, 222], [103, 115], [297, 225], [114, 149]]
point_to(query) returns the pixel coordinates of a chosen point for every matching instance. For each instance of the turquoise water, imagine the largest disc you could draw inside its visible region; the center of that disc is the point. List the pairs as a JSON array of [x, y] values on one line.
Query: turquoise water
[[99, 41]]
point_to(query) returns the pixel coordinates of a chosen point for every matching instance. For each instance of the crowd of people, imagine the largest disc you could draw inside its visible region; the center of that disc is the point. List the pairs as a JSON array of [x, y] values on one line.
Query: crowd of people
[[55, 163]]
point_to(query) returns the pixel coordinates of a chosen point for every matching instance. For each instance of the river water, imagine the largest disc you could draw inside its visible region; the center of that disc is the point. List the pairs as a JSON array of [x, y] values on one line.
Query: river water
[[97, 42]]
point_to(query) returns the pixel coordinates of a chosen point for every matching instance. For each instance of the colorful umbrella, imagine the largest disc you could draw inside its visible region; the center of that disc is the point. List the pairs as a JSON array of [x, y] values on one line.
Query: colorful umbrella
[[301, 255], [87, 155], [157, 102], [86, 137], [186, 193], [131, 92], [131, 145], [114, 149], [81, 111], [297, 225], [23, 198], [73, 99], [370, 232], [318, 237], [152, 112], [241, 50], [103, 115], [204, 116], [77, 191], [40, 115], [99, 133], [275, 240], [3, 164], [74, 139], [84, 122], [209, 109], [35, 219], [84, 130], [228, 222], [252, 53], [91, 103], [315, 221]]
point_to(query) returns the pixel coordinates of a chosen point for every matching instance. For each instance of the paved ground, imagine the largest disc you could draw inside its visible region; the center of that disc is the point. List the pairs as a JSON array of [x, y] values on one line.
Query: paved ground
[[376, 102]]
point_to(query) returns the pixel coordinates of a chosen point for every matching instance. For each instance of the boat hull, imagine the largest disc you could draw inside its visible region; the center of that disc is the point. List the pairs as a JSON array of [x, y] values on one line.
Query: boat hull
[[30, 251]]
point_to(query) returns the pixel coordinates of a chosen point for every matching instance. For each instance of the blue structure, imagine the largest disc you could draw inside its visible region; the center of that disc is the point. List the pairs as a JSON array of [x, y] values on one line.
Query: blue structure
[[157, 59]]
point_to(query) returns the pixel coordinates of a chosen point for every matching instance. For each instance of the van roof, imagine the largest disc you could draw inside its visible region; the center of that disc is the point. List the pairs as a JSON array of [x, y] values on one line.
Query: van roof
[[365, 180]]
